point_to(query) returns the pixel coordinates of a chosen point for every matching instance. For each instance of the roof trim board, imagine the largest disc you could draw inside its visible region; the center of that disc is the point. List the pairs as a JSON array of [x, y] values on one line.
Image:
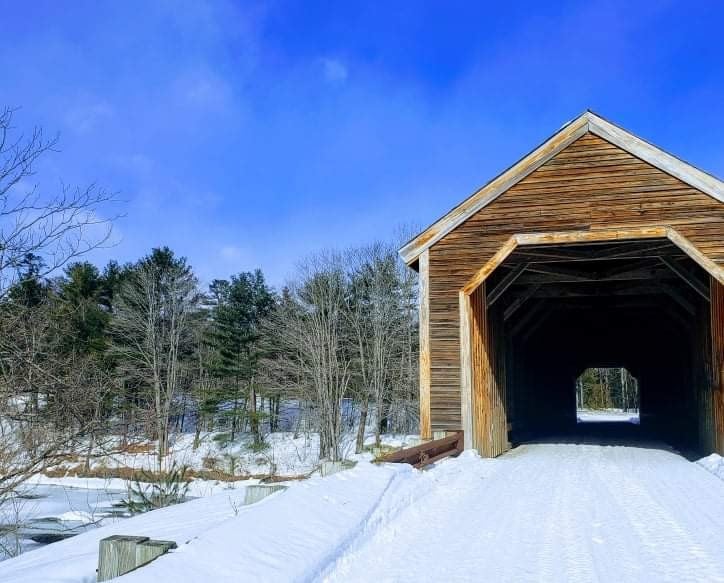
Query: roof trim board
[[585, 123]]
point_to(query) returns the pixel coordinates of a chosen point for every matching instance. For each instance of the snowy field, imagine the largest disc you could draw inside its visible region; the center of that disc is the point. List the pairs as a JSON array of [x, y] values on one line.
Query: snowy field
[[543, 512]]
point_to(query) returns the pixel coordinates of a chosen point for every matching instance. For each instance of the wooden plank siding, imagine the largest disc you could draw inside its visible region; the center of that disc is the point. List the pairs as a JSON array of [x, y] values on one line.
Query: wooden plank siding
[[590, 185]]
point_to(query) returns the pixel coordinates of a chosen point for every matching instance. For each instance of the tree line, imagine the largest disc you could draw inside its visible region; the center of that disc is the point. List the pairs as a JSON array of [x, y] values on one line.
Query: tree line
[[607, 388], [142, 349]]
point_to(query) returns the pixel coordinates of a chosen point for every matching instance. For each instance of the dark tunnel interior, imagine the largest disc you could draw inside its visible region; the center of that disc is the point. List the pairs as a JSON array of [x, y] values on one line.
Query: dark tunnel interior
[[642, 305]]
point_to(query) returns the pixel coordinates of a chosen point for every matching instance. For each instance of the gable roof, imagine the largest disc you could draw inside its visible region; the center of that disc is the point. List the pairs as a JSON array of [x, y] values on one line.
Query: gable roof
[[569, 133]]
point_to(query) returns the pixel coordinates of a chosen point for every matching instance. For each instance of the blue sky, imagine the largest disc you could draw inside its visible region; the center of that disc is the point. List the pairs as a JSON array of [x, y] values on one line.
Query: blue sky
[[246, 134]]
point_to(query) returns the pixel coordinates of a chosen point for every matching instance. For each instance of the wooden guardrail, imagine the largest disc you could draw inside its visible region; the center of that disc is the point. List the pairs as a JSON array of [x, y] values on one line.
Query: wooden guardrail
[[428, 452]]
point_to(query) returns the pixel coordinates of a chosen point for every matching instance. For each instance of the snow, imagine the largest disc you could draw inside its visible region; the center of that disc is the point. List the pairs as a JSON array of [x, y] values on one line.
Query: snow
[[713, 463], [113, 486], [63, 505], [556, 512], [77, 516], [607, 416], [543, 512], [288, 535], [286, 454]]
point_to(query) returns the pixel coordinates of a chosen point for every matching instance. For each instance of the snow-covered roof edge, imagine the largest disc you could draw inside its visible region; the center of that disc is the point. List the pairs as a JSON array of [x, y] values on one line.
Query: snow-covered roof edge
[[569, 133]]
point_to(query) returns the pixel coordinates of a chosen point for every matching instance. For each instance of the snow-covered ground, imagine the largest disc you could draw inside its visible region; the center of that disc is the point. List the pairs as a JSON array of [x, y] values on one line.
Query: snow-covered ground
[[543, 512], [607, 416], [47, 508]]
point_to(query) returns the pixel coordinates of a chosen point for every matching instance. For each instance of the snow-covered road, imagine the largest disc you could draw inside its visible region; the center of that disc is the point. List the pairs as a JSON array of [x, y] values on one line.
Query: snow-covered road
[[548, 512]]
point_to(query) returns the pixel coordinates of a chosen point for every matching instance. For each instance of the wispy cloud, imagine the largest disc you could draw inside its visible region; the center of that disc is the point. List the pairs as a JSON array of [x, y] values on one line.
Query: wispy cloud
[[85, 118], [246, 135], [335, 71]]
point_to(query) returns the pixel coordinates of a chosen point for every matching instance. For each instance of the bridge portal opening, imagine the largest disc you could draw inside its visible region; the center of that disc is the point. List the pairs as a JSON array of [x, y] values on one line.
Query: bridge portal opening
[[552, 319], [607, 395]]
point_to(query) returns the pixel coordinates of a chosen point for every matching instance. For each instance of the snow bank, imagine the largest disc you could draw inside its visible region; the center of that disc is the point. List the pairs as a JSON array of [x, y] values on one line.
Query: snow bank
[[288, 536], [713, 463]]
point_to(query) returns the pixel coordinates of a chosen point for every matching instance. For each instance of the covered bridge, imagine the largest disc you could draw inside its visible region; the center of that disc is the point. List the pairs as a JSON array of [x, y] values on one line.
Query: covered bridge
[[596, 249]]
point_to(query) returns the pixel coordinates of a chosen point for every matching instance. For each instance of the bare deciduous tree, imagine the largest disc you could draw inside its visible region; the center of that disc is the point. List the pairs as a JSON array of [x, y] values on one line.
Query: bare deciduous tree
[[49, 398], [151, 326], [310, 329], [57, 227], [377, 323]]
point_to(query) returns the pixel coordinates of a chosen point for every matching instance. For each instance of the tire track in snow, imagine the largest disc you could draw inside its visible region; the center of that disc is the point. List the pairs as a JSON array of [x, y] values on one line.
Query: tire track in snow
[[672, 548], [407, 493], [549, 512]]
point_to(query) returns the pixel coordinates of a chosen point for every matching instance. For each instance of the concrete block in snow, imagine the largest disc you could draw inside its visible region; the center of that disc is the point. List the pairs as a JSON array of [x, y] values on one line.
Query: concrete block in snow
[[260, 491]]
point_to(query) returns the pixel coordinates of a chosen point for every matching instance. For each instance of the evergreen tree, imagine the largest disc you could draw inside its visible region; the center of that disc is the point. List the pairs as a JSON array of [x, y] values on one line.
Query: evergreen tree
[[31, 289], [82, 307], [239, 307]]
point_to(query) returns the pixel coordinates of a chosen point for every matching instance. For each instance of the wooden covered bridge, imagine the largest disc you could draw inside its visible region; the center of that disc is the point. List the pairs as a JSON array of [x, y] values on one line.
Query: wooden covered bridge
[[596, 249]]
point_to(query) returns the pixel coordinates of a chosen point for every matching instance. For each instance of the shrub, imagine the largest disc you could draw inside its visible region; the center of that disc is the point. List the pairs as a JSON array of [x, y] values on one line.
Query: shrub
[[151, 491]]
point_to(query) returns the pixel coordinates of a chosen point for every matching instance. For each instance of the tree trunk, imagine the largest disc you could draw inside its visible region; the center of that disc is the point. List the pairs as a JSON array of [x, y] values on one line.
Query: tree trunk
[[378, 423], [91, 442], [361, 428], [253, 416]]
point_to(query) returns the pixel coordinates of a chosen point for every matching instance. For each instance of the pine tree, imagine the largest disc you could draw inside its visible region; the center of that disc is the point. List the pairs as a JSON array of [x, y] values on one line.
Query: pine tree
[[239, 307]]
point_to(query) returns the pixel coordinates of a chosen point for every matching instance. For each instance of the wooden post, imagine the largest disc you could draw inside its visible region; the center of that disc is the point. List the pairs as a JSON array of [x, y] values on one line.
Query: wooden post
[[466, 371], [258, 492], [425, 363], [117, 555], [327, 468], [120, 554], [717, 361], [149, 550]]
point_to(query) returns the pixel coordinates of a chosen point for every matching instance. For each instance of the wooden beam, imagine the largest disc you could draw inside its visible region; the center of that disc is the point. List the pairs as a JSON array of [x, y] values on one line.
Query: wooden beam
[[519, 301], [466, 369], [676, 295], [717, 360], [688, 278], [547, 255], [716, 271], [586, 291], [567, 237], [429, 452], [627, 268], [424, 339], [536, 324], [534, 311], [482, 274], [566, 272], [558, 238], [505, 283], [602, 235], [637, 250], [552, 259]]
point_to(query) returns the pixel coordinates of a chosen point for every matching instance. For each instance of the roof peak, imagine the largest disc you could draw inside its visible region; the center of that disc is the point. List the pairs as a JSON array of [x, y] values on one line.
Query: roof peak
[[587, 122]]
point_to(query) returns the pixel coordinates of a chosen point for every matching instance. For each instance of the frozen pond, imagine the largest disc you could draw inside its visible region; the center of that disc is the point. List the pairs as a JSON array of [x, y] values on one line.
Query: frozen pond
[[42, 514]]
